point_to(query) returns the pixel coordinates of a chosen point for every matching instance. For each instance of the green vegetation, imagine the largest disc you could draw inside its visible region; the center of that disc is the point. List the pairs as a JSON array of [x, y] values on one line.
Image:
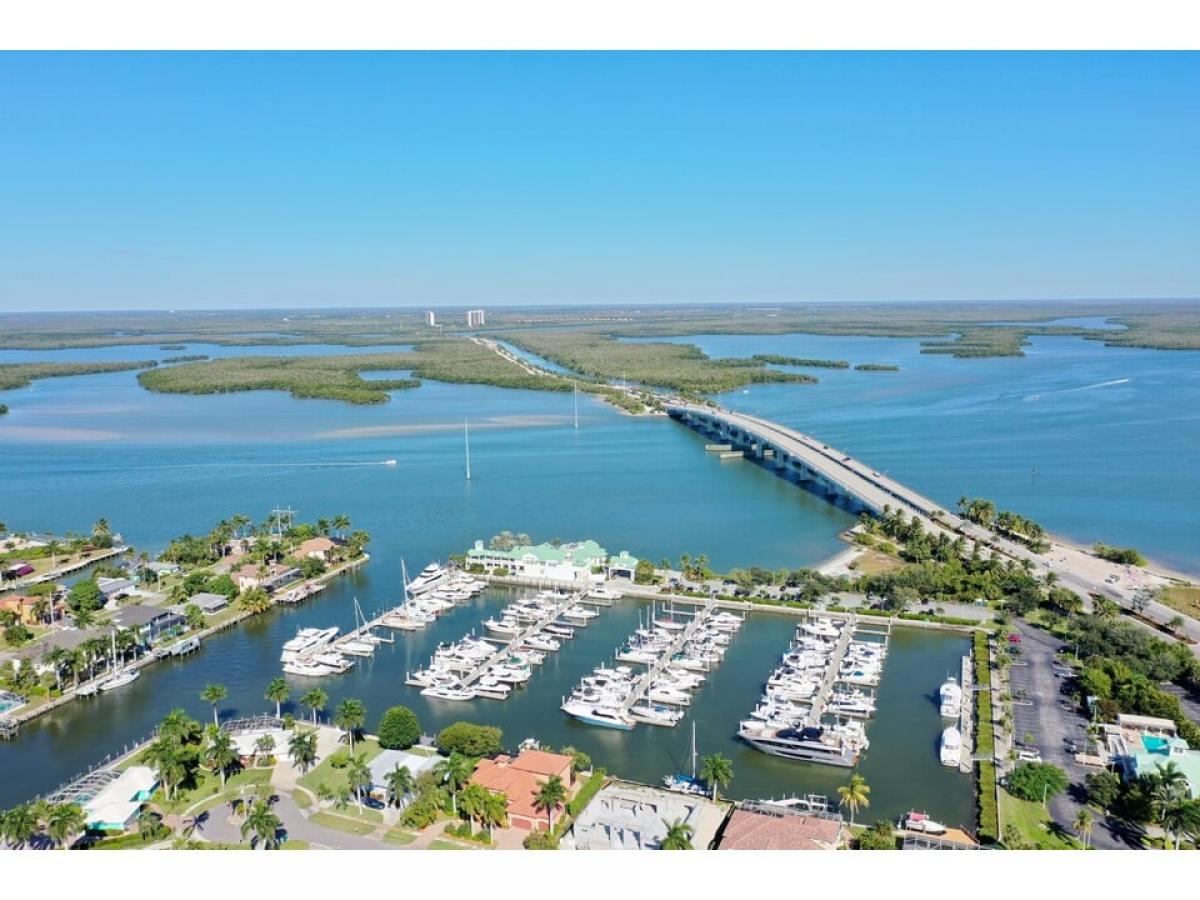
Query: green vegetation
[[1036, 781], [776, 359], [985, 742], [1185, 598], [19, 375], [399, 836], [191, 357], [1027, 826], [341, 823], [880, 836], [469, 739], [854, 796], [875, 367], [398, 728], [680, 367], [1123, 555], [3, 409]]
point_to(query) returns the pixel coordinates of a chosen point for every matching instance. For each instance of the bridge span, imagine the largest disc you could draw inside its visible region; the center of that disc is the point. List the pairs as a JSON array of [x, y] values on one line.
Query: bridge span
[[810, 461]]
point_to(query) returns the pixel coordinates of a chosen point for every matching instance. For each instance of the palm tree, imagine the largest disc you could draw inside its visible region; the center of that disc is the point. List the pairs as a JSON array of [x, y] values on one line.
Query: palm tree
[[399, 784], [717, 772], [1169, 786], [358, 776], [214, 694], [1083, 826], [166, 758], [41, 611], [455, 771], [63, 822], [278, 693], [302, 747], [495, 812], [678, 836], [549, 797], [263, 826], [314, 700], [219, 752], [472, 802], [149, 822], [350, 716], [19, 825], [855, 795], [341, 522]]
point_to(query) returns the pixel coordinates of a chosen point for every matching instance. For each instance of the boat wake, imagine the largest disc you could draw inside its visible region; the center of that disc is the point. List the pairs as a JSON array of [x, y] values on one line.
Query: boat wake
[[1086, 387]]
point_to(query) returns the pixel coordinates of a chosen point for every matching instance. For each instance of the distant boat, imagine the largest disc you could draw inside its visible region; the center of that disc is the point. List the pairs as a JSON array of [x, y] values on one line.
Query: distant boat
[[389, 462]]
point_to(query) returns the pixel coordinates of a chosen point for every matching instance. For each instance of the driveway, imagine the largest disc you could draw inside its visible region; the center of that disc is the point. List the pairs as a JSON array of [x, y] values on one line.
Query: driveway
[[1042, 709], [217, 827]]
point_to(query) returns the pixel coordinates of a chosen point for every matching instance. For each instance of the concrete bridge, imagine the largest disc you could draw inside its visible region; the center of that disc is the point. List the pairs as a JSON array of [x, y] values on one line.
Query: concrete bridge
[[810, 461]]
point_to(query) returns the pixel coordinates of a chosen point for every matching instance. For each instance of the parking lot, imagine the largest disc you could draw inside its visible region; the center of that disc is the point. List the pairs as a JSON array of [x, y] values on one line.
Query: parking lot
[[1043, 710]]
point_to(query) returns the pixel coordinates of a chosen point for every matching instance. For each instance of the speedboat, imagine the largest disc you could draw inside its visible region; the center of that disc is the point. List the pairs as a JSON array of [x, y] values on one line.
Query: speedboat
[[306, 668], [593, 714], [685, 784], [603, 593], [951, 747], [502, 626], [442, 692], [541, 642], [915, 821], [656, 714], [306, 641]]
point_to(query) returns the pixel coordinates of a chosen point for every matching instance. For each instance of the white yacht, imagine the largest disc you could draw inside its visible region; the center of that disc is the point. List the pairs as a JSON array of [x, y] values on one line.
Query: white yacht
[[810, 744], [950, 697], [915, 821], [306, 668], [306, 641], [593, 714], [951, 747], [120, 679], [431, 577], [443, 692], [603, 593]]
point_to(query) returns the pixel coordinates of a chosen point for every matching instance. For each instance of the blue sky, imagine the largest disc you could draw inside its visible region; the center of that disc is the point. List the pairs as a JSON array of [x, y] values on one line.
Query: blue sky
[[245, 180]]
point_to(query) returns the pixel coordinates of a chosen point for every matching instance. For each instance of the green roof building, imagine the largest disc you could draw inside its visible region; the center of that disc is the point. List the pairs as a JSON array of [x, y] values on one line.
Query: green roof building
[[579, 562]]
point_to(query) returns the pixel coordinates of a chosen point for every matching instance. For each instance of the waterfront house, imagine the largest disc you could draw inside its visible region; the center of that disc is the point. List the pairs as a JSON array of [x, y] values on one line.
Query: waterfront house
[[315, 548], [1141, 745], [162, 568], [388, 760], [519, 780], [18, 569], [627, 816], [208, 603], [247, 577], [251, 576], [752, 830], [116, 807], [579, 563], [149, 622]]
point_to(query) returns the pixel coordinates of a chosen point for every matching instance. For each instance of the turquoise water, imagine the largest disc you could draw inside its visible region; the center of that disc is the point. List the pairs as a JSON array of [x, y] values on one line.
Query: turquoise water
[[1155, 744], [1096, 443]]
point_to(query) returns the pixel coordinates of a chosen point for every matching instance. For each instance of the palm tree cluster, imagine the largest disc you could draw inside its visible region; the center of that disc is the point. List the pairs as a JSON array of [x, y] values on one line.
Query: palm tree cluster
[[176, 750], [1170, 798], [59, 823]]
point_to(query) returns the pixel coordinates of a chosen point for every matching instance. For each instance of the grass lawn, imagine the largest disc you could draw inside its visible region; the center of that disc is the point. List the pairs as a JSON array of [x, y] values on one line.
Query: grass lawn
[[440, 844], [208, 789], [325, 773], [338, 822], [400, 837], [873, 562], [1184, 599], [1033, 824], [295, 845]]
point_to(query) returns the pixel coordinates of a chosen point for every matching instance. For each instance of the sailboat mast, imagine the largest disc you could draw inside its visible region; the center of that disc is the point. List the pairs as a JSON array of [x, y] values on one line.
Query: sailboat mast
[[467, 443]]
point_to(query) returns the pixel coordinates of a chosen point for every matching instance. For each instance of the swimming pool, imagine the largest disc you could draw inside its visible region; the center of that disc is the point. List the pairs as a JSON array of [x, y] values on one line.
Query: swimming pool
[[1155, 744], [9, 702]]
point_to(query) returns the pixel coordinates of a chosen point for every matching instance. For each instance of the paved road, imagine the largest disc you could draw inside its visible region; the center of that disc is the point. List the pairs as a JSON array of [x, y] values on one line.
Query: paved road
[[1041, 709], [217, 827]]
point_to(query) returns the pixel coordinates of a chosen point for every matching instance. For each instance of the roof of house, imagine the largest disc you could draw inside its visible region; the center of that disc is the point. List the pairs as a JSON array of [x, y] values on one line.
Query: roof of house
[[315, 545], [135, 615], [119, 800], [162, 566], [580, 554], [112, 585], [520, 779], [747, 830], [209, 602], [15, 601], [387, 760], [1187, 761], [630, 816]]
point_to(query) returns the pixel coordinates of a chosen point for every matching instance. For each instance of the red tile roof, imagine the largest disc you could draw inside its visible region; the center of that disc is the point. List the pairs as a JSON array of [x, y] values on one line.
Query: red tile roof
[[757, 831], [519, 779]]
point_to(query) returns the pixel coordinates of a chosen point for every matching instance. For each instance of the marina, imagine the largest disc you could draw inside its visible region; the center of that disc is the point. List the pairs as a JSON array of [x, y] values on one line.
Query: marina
[[816, 701]]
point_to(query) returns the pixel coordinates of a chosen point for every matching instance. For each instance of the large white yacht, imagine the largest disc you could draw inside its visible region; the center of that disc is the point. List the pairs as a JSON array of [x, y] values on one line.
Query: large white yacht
[[950, 697], [951, 747], [306, 641], [431, 576]]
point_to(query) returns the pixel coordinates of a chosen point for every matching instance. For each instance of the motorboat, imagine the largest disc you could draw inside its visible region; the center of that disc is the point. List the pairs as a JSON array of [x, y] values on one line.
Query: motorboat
[[560, 631], [951, 747], [808, 744], [306, 668], [916, 821], [950, 698], [502, 626], [357, 648], [603, 593], [306, 641], [601, 716], [442, 692], [428, 579], [541, 642]]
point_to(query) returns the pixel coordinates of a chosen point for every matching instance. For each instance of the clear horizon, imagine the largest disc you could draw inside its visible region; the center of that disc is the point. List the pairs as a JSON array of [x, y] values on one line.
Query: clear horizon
[[159, 181]]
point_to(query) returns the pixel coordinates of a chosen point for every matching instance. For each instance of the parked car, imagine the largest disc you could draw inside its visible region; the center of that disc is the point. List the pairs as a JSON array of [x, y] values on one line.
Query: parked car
[[1034, 756]]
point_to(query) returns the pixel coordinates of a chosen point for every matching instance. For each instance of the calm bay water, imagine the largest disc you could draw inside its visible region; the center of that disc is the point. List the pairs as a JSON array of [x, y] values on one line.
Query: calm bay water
[[1096, 443]]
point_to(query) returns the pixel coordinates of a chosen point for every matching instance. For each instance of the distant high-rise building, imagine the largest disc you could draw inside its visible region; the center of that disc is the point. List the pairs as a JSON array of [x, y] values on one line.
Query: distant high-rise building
[[430, 318], [475, 318]]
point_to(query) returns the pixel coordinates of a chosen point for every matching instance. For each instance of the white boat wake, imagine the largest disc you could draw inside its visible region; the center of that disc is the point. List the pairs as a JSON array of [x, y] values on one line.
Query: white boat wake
[[1086, 387]]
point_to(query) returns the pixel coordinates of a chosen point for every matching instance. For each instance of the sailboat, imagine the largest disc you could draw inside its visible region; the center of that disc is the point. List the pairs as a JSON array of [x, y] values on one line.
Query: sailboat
[[687, 784], [121, 676]]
